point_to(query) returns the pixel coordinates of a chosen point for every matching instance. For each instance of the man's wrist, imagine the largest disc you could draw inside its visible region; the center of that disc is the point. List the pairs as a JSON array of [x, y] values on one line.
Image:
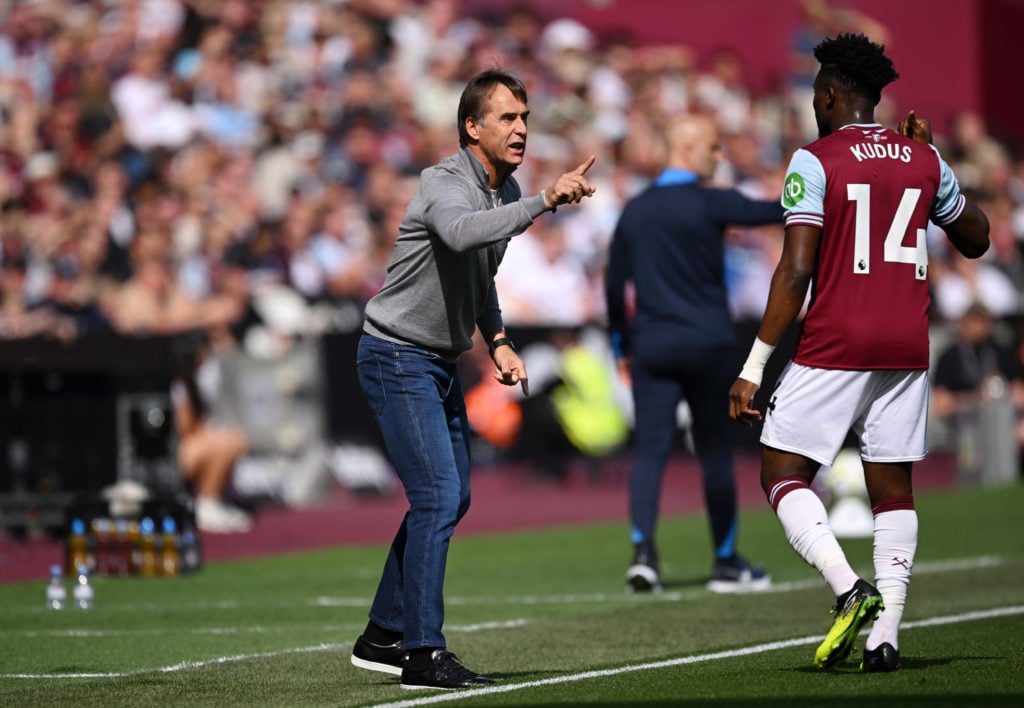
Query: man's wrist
[[500, 342], [547, 204], [753, 368]]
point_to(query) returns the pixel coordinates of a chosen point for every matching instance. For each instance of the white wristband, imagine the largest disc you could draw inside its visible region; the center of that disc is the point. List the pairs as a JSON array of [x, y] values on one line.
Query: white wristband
[[753, 369]]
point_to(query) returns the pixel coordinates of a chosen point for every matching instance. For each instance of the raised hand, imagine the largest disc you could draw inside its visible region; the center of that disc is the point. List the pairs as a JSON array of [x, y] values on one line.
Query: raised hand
[[571, 187], [919, 129]]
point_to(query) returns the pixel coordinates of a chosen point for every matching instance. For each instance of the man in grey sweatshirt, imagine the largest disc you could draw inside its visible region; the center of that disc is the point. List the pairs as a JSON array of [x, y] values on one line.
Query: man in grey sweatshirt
[[439, 289]]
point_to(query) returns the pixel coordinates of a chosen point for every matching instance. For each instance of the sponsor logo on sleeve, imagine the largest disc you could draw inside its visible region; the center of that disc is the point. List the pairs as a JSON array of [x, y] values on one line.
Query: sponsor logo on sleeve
[[793, 191]]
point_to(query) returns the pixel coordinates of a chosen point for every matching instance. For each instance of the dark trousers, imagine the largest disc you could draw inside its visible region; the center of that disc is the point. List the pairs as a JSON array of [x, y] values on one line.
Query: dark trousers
[[662, 377]]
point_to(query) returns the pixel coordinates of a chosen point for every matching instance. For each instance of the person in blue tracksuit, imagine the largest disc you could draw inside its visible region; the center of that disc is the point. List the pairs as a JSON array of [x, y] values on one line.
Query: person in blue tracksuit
[[680, 342]]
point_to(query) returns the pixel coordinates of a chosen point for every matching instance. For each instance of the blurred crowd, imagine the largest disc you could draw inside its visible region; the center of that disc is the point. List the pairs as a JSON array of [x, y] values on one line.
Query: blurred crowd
[[241, 166]]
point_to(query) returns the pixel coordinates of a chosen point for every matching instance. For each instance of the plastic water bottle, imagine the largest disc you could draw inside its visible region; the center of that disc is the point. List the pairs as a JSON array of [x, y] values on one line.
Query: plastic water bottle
[[131, 544], [56, 593], [191, 556], [170, 555], [83, 593], [78, 546], [121, 561], [147, 547], [102, 535]]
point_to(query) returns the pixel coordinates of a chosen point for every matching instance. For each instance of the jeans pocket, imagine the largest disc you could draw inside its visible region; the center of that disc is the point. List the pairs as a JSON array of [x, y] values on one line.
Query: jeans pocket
[[372, 381]]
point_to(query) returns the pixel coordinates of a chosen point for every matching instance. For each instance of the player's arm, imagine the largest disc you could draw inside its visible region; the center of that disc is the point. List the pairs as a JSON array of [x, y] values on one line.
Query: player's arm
[[790, 282], [968, 232], [786, 297]]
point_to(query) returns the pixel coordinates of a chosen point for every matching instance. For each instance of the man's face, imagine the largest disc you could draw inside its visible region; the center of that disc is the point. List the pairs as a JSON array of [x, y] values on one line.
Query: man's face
[[975, 327], [707, 151], [502, 131]]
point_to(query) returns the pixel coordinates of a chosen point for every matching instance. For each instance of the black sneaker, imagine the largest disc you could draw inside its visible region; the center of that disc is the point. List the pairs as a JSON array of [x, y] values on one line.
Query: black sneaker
[[736, 575], [444, 672], [642, 575], [884, 658], [389, 658]]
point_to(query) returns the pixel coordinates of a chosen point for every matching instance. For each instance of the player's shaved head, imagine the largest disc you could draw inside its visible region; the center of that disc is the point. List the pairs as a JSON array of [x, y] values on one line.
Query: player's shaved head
[[687, 128]]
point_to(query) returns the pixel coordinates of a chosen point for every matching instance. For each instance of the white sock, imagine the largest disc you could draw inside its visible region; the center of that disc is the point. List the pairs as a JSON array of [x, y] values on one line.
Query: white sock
[[805, 522], [895, 546]]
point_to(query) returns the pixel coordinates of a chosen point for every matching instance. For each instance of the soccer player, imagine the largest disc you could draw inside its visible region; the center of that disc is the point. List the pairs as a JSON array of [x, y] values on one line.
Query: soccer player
[[858, 202]]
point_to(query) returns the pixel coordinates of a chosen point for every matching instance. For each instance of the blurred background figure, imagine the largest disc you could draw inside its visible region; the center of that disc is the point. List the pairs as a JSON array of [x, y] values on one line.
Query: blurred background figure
[[978, 389], [576, 414], [207, 449], [820, 19], [680, 343]]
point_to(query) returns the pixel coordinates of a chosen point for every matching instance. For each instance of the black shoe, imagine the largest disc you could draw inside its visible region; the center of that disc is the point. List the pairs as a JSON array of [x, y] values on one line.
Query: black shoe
[[444, 672], [642, 575], [884, 658], [389, 658], [735, 575]]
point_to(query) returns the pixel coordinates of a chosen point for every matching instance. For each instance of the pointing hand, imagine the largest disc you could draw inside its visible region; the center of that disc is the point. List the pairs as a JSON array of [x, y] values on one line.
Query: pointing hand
[[571, 187]]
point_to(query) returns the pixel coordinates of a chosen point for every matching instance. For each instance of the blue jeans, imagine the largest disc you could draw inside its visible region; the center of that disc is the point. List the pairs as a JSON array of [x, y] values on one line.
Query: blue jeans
[[417, 398]]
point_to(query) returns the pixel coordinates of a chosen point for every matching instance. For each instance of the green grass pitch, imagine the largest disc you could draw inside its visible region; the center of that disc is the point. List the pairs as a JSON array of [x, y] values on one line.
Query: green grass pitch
[[546, 613]]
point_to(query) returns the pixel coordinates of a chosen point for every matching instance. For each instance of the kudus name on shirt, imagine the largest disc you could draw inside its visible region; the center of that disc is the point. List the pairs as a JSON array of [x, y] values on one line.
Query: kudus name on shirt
[[866, 151]]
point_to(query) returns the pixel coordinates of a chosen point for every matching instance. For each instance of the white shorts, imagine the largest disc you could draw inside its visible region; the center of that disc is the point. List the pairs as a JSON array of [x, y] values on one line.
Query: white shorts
[[811, 411]]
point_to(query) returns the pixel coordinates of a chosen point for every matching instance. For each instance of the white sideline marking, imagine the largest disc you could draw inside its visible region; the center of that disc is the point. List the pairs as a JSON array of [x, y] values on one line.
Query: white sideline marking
[[922, 568], [927, 567], [173, 668], [568, 599], [253, 629], [695, 659], [573, 598], [257, 629], [730, 654], [480, 626], [244, 657], [340, 601]]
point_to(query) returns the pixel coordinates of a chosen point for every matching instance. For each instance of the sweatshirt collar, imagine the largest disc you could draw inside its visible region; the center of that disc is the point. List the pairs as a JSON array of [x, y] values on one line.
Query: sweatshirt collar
[[480, 171], [675, 175]]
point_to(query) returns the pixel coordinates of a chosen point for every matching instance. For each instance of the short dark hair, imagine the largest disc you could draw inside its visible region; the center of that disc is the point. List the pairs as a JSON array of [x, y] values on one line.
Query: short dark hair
[[474, 96], [858, 63]]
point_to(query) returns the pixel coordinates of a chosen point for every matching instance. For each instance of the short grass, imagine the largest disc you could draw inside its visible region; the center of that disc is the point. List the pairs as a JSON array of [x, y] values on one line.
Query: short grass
[[545, 612]]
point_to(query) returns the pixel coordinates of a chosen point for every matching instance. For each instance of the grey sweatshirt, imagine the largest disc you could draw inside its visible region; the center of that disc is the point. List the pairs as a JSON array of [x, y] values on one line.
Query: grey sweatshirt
[[440, 281]]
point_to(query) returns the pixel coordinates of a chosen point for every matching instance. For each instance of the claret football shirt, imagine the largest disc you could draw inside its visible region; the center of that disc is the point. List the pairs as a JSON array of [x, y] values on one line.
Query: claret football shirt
[[871, 191]]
